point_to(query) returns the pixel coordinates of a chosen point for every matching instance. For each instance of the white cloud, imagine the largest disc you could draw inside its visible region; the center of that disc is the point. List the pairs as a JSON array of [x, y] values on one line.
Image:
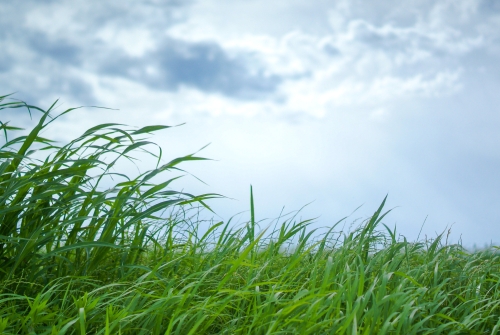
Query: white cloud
[[134, 41], [354, 61], [358, 63]]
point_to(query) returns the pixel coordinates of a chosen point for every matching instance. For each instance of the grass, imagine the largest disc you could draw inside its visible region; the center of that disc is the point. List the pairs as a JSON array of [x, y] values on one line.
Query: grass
[[77, 257]]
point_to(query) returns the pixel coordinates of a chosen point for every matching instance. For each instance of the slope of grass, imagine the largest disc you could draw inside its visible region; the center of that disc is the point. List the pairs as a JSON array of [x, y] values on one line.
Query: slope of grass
[[80, 258]]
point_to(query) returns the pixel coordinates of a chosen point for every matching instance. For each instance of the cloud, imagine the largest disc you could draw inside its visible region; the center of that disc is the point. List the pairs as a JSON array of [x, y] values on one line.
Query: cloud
[[371, 55], [58, 40], [205, 66], [381, 52], [59, 50], [49, 50]]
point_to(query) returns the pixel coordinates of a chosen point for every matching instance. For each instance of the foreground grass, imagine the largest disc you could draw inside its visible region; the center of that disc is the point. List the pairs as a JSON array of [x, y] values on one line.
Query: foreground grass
[[79, 258]]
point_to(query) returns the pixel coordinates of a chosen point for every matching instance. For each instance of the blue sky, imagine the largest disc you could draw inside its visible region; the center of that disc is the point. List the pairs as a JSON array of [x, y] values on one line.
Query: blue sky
[[335, 102]]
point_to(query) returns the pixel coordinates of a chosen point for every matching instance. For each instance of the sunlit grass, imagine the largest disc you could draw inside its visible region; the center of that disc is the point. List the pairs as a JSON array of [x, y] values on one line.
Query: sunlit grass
[[77, 257]]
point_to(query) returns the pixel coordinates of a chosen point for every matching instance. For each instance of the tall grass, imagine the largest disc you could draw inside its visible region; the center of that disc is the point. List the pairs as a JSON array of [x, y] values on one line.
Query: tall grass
[[81, 258]]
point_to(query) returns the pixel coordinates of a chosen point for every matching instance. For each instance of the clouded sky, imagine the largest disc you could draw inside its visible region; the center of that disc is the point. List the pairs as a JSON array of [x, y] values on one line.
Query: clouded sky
[[335, 102]]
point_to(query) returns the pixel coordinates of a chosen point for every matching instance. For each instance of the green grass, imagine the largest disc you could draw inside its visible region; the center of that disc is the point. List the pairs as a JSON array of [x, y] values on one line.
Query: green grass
[[85, 249]]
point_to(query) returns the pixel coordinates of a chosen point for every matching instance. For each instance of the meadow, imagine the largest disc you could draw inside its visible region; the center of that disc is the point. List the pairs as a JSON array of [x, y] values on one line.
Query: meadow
[[78, 256]]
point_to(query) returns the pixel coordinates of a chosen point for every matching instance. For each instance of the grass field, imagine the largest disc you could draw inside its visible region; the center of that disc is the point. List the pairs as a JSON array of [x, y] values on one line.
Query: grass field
[[77, 257]]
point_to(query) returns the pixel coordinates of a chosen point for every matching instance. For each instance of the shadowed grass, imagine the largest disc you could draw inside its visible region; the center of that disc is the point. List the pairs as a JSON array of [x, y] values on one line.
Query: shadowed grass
[[79, 258]]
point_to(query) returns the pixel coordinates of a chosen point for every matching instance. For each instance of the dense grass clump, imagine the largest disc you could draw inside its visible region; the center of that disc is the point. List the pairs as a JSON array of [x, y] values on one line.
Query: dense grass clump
[[78, 256]]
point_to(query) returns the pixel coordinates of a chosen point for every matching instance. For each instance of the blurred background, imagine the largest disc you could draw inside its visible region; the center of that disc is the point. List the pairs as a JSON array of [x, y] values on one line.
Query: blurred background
[[332, 103]]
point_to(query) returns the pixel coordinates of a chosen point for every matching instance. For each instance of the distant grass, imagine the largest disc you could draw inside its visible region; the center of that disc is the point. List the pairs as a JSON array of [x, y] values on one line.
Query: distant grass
[[79, 258]]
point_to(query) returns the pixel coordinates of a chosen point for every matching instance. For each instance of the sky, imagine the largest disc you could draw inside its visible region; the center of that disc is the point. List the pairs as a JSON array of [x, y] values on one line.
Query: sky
[[334, 104]]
